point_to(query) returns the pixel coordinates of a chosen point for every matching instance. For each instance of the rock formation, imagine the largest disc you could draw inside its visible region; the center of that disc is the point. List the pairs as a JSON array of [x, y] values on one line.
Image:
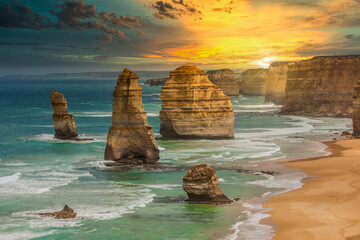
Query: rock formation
[[66, 213], [156, 81], [130, 139], [253, 82], [356, 110], [322, 86], [225, 79], [193, 107], [64, 124], [276, 83], [202, 185]]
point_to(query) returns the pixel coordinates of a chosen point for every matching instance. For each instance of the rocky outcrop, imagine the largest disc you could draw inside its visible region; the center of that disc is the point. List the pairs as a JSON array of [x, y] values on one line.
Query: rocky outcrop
[[276, 83], [66, 213], [225, 79], [253, 82], [202, 185], [64, 124], [130, 139], [322, 86], [194, 108], [356, 110], [156, 81]]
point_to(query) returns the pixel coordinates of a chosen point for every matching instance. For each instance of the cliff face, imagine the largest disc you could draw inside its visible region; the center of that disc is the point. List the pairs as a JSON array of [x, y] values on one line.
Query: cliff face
[[356, 110], [202, 185], [64, 124], [322, 86], [225, 79], [193, 107], [276, 83], [130, 139], [253, 82]]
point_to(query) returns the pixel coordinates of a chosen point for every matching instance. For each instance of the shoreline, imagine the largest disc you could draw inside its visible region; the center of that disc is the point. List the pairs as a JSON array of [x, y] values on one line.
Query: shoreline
[[327, 206]]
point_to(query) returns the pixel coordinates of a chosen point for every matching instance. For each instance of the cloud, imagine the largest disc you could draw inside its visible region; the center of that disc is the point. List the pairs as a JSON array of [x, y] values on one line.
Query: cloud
[[20, 16], [75, 16], [173, 10]]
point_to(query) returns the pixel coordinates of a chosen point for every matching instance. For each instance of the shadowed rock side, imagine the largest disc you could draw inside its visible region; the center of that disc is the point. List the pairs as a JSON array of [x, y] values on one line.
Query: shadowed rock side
[[356, 110], [225, 79], [253, 82], [322, 86], [202, 185], [66, 213], [194, 108], [130, 139], [156, 81], [276, 83], [64, 124]]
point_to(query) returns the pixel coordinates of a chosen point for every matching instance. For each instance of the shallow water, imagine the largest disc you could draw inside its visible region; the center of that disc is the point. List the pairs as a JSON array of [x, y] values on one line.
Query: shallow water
[[40, 174]]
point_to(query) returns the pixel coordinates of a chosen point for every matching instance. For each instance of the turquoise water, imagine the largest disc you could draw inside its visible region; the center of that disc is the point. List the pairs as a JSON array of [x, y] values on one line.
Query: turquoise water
[[41, 174]]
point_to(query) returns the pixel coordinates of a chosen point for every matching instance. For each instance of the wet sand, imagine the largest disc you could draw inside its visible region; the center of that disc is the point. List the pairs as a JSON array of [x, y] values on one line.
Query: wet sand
[[328, 204]]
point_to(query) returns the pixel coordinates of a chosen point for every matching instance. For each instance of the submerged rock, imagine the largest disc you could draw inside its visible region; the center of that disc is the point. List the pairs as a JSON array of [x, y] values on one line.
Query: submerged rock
[[194, 108], [64, 124], [130, 139], [225, 79], [66, 213], [356, 110], [253, 82], [202, 185]]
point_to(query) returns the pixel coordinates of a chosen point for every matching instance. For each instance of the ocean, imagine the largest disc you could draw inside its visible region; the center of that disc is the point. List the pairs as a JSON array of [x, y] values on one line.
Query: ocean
[[41, 174]]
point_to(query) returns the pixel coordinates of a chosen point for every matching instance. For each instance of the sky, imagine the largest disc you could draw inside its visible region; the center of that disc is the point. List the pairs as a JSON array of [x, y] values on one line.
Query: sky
[[46, 36]]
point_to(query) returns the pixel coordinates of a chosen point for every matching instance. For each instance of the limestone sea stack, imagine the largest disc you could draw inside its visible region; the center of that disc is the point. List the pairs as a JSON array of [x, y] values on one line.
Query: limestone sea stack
[[66, 213], [156, 82], [194, 108], [64, 124], [225, 79], [276, 83], [322, 86], [253, 82], [202, 185], [356, 110], [130, 139]]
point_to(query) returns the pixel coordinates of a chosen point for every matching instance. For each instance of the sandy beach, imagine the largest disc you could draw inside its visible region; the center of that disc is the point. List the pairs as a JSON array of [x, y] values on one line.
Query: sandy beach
[[328, 205]]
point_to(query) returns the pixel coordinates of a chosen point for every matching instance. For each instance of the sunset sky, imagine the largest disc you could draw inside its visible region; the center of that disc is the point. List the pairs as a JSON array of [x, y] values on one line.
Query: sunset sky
[[107, 35]]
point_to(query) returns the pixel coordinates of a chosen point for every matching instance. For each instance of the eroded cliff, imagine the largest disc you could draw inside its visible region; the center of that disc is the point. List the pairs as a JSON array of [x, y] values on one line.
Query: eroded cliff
[[225, 79], [322, 86], [193, 107], [253, 82], [356, 110]]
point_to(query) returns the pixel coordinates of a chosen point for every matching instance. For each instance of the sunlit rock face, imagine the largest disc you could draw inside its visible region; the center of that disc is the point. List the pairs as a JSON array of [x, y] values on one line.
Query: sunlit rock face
[[64, 124], [225, 79], [356, 110], [66, 213], [194, 108], [202, 185], [322, 86], [253, 82], [276, 83], [130, 139]]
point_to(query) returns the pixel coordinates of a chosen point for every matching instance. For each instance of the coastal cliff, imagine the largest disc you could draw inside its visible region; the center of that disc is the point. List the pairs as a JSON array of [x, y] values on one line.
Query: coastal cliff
[[194, 108], [322, 86], [130, 139], [225, 79], [253, 82], [276, 83], [356, 110], [64, 124]]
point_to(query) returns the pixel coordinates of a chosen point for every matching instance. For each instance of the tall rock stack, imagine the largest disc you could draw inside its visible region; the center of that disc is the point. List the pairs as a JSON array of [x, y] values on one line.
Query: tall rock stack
[[356, 110], [64, 124], [194, 108], [225, 79], [276, 83], [253, 82], [322, 86], [130, 139]]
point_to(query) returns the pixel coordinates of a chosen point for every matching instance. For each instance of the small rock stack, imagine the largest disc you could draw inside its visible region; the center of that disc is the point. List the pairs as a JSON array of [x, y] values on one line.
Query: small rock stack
[[64, 124], [356, 110], [130, 139]]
